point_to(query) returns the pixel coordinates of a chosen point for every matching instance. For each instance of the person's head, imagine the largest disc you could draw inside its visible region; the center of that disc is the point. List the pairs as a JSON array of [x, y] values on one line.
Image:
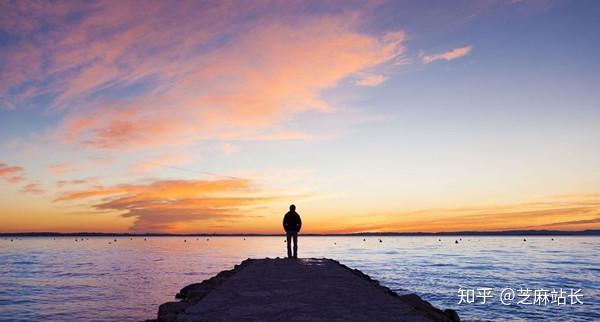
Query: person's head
[[292, 208]]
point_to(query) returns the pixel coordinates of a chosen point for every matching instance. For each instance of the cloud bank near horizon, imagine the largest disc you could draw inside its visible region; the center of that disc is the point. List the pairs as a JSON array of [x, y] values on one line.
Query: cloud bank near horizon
[[174, 205]]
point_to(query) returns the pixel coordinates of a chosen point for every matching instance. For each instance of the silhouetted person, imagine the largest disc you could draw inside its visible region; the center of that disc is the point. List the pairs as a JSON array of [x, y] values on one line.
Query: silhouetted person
[[292, 224]]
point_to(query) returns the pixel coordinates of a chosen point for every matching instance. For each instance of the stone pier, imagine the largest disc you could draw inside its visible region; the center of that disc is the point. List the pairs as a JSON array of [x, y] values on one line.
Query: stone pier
[[296, 290]]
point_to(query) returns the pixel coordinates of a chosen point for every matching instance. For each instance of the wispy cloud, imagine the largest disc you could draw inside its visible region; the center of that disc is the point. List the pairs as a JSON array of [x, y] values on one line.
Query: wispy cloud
[[371, 80], [567, 213], [33, 188], [16, 174], [15, 179], [76, 182], [58, 169], [132, 77], [280, 136], [571, 223], [162, 160], [449, 55]]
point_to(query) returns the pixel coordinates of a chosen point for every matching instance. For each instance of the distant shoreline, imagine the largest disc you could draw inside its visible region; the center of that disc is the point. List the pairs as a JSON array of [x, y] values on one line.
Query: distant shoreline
[[590, 232]]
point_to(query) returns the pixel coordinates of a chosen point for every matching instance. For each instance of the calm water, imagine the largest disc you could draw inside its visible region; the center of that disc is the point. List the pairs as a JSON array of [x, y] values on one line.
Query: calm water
[[91, 280]]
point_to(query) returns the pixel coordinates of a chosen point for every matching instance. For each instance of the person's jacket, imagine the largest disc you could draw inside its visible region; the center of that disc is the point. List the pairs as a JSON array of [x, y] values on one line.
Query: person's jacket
[[292, 222]]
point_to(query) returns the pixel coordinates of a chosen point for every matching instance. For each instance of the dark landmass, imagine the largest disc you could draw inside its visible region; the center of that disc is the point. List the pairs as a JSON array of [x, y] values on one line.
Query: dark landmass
[[591, 232], [296, 290]]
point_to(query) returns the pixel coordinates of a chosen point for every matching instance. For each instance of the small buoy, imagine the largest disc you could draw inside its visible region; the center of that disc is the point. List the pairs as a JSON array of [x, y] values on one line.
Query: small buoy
[[207, 239], [115, 240], [364, 239], [109, 243], [197, 239], [456, 241], [130, 238], [381, 241], [335, 243], [524, 239], [439, 240], [285, 241], [244, 238], [460, 239], [552, 238]]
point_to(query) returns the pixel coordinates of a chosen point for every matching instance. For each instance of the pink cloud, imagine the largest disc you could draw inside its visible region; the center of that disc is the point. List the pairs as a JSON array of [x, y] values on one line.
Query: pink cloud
[[12, 174], [15, 179], [449, 55], [7, 170], [371, 80], [278, 136], [202, 71], [164, 160]]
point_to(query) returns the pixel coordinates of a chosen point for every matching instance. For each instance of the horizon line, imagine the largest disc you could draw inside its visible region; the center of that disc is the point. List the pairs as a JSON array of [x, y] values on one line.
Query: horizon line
[[586, 232]]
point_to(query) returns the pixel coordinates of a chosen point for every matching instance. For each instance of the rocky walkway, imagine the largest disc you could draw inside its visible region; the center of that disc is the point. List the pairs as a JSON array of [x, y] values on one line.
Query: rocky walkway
[[296, 290]]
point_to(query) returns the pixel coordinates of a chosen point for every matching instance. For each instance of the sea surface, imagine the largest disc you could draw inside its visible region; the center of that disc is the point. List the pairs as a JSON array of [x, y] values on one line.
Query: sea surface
[[98, 279]]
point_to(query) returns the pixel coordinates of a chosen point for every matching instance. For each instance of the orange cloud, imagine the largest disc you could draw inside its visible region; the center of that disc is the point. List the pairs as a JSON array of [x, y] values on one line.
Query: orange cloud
[[568, 213], [449, 55], [174, 205], [164, 189]]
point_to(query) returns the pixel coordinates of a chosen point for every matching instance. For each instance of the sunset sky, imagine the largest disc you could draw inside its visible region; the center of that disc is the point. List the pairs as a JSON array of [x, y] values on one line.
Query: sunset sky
[[201, 116]]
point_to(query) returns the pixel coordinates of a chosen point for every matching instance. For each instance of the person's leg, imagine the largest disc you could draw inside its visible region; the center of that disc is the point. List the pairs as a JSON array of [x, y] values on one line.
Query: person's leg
[[295, 235], [288, 236]]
